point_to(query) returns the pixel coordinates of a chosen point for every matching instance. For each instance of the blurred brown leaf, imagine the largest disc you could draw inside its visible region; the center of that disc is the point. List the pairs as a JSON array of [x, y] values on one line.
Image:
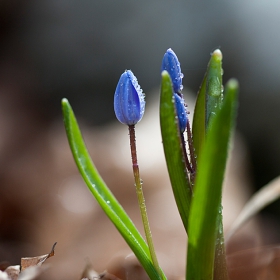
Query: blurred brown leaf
[[90, 274], [257, 263], [32, 272], [13, 272], [4, 265], [30, 268], [27, 262], [266, 195]]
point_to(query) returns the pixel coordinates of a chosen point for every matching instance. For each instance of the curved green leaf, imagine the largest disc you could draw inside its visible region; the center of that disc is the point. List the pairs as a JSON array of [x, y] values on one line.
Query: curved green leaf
[[198, 127], [205, 212], [173, 149], [103, 195], [214, 85], [209, 99]]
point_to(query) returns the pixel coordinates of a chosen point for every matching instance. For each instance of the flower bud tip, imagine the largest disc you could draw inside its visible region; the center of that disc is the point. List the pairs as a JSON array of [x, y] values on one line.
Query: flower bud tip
[[171, 64]]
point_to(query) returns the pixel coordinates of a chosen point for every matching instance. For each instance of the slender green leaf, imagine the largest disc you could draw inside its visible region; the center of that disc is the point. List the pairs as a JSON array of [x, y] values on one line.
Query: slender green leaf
[[198, 127], [214, 98], [173, 149], [103, 195], [205, 209], [209, 99], [214, 85]]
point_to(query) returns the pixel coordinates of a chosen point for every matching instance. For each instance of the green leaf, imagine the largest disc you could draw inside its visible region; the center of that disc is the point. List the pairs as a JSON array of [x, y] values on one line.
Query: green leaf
[[214, 85], [209, 99], [173, 149], [198, 127], [103, 195], [204, 219]]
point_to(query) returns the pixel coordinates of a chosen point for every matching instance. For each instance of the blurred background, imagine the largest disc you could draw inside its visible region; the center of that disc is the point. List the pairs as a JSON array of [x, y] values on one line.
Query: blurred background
[[78, 49]]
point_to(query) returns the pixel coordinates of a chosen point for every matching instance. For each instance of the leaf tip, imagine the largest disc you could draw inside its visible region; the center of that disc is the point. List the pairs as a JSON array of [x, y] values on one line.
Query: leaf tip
[[217, 55], [232, 84], [64, 101], [164, 74]]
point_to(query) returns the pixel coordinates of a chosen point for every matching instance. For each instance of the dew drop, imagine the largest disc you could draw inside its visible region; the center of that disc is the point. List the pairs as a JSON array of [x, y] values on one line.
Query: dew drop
[[142, 205]]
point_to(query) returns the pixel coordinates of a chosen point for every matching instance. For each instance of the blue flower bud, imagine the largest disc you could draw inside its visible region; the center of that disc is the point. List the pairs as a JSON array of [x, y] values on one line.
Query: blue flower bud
[[171, 64], [129, 103], [181, 112]]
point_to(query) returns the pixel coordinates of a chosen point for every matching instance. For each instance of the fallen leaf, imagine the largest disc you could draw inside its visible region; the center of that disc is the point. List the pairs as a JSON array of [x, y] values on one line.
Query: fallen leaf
[[260, 263], [107, 276], [4, 265], [257, 202], [3, 275], [90, 274], [13, 272], [32, 272], [36, 261]]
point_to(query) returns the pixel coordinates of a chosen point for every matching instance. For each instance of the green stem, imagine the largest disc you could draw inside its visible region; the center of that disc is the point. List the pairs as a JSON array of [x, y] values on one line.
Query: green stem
[[141, 199]]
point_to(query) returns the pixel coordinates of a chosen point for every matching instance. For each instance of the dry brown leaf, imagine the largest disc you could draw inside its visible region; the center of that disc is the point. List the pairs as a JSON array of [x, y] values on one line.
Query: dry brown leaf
[[90, 274], [36, 261], [107, 276], [3, 275], [258, 201], [30, 268], [4, 265], [129, 268], [258, 263], [13, 272], [32, 272]]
